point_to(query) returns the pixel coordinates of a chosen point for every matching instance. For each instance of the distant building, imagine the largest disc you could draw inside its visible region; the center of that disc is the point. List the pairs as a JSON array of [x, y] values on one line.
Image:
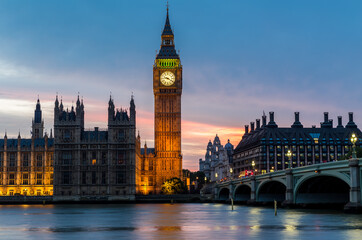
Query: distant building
[[26, 165], [98, 163], [264, 149], [218, 159]]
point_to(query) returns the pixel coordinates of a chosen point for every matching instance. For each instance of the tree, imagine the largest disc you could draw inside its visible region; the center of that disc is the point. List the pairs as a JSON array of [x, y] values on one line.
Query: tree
[[173, 186], [349, 154]]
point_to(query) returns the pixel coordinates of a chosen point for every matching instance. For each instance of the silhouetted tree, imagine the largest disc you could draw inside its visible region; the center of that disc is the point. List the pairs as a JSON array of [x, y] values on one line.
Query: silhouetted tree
[[173, 186]]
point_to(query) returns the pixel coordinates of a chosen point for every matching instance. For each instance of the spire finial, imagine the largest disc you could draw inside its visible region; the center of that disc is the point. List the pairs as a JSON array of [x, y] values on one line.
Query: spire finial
[[167, 29], [167, 7]]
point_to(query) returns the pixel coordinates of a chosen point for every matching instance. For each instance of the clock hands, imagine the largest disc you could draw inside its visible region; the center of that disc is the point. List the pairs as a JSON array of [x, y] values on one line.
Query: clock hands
[[167, 78]]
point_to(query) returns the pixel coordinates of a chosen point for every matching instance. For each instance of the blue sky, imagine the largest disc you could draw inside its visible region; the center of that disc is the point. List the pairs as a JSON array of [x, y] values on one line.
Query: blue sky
[[239, 58]]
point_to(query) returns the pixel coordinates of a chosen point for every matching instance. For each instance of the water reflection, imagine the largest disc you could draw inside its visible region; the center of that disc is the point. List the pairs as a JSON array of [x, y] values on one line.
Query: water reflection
[[178, 221]]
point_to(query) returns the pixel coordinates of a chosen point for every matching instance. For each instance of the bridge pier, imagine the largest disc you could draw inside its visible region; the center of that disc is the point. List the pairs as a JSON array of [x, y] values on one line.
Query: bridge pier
[[289, 201], [355, 204], [231, 192], [253, 191]]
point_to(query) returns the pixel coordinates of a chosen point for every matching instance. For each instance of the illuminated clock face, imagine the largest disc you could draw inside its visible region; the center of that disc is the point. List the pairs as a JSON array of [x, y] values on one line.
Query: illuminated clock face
[[167, 78]]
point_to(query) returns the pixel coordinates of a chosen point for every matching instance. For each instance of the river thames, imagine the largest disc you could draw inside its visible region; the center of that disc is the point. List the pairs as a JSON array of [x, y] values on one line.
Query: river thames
[[177, 221]]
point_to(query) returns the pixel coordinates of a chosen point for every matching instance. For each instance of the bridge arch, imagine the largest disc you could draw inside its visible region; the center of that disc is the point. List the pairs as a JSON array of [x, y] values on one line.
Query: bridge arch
[[242, 193], [271, 190], [332, 188], [224, 193]]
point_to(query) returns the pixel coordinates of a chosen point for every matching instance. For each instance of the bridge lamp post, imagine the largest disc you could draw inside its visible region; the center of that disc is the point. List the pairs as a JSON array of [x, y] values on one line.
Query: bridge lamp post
[[253, 165], [354, 140], [216, 176], [289, 155], [231, 173]]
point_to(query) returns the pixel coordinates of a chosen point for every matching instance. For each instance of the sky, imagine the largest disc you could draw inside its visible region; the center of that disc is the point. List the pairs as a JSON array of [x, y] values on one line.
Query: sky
[[239, 57]]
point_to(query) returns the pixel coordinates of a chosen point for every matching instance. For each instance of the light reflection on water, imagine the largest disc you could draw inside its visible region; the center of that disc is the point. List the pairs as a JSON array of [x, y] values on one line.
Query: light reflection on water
[[178, 221]]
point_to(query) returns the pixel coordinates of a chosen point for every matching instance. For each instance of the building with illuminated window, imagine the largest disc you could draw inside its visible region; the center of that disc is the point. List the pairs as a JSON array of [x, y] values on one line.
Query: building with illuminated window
[[97, 164], [26, 165], [265, 148]]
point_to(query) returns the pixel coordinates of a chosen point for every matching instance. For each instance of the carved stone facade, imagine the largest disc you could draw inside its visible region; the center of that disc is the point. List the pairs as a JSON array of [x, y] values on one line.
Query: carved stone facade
[[218, 160], [94, 163], [165, 160], [26, 165]]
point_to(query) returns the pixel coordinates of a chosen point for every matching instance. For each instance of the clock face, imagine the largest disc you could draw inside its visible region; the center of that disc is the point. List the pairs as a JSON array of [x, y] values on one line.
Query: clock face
[[167, 78]]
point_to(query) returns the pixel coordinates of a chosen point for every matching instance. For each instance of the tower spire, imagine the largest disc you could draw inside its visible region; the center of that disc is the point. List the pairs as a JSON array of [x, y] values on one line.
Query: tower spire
[[167, 50], [167, 29]]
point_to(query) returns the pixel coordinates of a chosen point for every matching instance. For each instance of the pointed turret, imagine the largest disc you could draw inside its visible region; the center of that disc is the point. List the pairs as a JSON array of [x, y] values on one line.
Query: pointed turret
[[78, 108], [37, 114], [82, 104], [111, 111], [56, 102], [132, 110], [38, 123], [61, 105]]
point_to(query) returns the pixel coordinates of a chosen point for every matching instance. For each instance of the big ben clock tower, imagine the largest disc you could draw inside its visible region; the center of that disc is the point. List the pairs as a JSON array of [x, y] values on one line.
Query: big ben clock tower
[[167, 89]]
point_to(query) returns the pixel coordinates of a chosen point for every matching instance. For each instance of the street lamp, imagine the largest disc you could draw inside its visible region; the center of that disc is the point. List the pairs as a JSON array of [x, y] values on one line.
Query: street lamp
[[354, 140], [253, 165], [289, 155]]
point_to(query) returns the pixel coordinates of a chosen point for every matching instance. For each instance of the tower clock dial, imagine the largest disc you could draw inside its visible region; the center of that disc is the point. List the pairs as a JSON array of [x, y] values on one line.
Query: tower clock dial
[[167, 78]]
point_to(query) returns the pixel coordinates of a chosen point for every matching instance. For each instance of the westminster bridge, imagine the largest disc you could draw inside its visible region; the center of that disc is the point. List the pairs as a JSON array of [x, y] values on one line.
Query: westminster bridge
[[326, 183]]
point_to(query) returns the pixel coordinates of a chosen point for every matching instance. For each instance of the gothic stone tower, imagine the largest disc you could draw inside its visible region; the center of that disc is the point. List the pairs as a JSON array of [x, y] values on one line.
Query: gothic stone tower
[[38, 123], [167, 89]]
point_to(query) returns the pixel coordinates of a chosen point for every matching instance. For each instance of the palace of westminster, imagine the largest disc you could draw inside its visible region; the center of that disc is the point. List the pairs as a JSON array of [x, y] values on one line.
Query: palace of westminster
[[76, 164]]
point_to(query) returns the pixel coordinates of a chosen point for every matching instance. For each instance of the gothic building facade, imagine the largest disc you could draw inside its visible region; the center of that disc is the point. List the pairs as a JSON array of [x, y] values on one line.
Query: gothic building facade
[[218, 160], [264, 148], [94, 163], [165, 160], [26, 165], [105, 164]]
